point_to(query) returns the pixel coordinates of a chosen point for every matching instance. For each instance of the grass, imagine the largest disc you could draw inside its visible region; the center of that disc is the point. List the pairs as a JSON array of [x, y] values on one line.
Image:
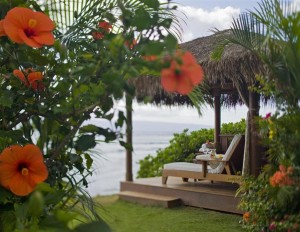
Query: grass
[[129, 217]]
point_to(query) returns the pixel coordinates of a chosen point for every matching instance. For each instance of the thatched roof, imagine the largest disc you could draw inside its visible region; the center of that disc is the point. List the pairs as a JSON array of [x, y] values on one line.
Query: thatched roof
[[236, 62], [225, 74]]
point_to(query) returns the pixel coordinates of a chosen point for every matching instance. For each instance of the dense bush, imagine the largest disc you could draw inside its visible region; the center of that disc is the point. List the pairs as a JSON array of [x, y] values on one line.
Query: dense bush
[[272, 201], [182, 148], [234, 128]]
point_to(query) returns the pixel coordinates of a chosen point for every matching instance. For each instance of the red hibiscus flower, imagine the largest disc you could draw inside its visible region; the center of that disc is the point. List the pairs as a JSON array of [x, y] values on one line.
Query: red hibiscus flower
[[183, 74], [30, 78], [22, 168], [22, 25], [268, 115], [97, 35], [106, 26]]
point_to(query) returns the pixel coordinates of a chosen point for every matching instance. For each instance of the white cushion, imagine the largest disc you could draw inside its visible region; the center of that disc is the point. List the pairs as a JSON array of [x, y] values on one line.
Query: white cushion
[[185, 166]]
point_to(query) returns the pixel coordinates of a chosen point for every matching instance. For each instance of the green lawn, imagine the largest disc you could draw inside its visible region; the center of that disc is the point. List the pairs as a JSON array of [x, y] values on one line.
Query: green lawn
[[128, 217]]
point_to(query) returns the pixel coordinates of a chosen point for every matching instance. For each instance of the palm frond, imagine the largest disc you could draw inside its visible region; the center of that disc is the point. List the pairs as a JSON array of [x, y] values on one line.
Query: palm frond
[[75, 19], [197, 97], [270, 33]]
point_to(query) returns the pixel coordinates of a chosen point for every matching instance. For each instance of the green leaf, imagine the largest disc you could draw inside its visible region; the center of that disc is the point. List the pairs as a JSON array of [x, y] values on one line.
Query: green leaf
[[89, 161], [36, 204], [54, 197], [85, 142], [6, 99], [21, 211], [151, 3], [4, 195], [89, 129], [44, 187], [7, 220], [171, 42], [153, 48], [166, 23], [126, 145], [65, 216], [52, 224], [93, 227], [142, 20]]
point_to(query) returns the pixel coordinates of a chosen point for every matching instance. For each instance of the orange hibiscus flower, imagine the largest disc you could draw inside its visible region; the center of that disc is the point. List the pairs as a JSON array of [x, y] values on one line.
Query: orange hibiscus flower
[[246, 216], [2, 32], [22, 168], [32, 79], [282, 177], [22, 25], [183, 74]]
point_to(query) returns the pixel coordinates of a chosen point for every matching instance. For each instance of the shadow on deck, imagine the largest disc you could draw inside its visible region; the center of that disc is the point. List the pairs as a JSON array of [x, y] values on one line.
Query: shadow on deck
[[204, 194]]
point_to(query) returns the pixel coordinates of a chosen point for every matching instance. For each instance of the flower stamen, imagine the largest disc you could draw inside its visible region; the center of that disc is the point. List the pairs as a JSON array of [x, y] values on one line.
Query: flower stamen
[[32, 23], [25, 171]]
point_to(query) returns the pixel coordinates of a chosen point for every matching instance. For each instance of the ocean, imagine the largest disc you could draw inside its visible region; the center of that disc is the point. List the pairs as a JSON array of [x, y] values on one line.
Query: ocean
[[109, 159]]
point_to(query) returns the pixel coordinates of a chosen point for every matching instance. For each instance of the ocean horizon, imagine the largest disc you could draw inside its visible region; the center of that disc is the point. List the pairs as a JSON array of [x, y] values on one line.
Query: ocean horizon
[[110, 158]]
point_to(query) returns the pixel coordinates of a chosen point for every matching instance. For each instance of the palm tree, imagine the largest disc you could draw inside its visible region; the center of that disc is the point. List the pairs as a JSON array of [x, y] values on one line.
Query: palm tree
[[272, 33]]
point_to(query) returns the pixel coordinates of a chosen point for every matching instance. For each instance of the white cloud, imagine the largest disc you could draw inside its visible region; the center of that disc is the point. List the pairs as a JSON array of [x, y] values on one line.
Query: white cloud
[[297, 4], [199, 22]]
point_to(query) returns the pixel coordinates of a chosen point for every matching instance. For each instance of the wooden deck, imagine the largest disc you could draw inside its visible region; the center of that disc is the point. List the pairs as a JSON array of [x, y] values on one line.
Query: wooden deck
[[216, 196]]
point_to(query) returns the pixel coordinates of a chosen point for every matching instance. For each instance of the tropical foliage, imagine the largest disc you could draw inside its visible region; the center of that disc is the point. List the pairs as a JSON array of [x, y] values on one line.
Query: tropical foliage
[[271, 32], [183, 147], [61, 63]]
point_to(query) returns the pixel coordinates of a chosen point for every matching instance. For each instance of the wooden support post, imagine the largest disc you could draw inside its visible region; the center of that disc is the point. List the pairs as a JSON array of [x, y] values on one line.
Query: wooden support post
[[217, 106], [255, 153], [128, 137]]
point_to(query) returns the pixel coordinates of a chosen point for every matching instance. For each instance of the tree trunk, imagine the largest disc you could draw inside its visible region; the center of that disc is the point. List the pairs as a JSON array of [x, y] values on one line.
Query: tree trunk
[[128, 137], [255, 152], [217, 106], [246, 160]]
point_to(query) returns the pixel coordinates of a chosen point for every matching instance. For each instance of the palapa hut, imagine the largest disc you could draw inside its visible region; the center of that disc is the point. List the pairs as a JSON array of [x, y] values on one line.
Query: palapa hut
[[227, 80]]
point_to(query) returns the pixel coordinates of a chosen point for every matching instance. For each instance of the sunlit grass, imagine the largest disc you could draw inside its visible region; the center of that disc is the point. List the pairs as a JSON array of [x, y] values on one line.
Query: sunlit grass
[[128, 217]]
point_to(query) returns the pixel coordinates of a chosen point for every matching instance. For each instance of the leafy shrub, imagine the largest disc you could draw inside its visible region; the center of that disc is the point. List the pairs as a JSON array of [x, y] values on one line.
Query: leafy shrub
[[272, 201], [234, 128], [182, 148], [271, 204]]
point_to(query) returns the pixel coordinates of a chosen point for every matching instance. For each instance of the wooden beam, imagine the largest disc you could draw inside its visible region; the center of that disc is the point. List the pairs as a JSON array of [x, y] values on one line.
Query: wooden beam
[[225, 88], [217, 106]]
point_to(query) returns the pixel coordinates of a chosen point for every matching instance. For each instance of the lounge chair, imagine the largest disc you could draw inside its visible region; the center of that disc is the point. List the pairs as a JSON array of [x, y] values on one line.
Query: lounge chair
[[202, 170]]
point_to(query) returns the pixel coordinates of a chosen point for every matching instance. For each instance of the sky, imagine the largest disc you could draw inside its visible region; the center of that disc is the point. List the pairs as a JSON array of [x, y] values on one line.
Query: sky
[[204, 15]]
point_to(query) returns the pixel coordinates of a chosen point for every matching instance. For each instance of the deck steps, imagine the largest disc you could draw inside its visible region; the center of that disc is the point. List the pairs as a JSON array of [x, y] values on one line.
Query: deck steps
[[150, 199], [204, 194]]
